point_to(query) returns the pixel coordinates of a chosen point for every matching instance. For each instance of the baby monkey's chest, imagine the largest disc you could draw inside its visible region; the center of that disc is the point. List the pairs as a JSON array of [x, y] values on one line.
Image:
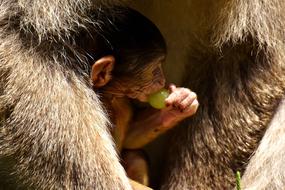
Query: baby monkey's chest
[[121, 115]]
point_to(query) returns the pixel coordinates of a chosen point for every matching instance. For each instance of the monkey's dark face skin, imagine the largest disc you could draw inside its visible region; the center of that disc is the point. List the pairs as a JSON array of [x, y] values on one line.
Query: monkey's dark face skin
[[154, 80]]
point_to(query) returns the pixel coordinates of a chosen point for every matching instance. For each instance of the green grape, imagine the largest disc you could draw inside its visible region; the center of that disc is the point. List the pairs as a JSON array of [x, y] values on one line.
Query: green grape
[[157, 99]]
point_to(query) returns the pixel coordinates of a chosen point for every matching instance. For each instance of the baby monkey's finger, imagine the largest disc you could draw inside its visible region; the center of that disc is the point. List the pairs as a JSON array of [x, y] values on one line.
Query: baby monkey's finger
[[192, 108], [184, 96], [187, 101], [171, 99], [172, 87], [177, 96]]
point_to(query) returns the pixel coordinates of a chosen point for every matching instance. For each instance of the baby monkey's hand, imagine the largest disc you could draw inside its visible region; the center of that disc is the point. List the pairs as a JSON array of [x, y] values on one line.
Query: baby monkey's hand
[[180, 104]]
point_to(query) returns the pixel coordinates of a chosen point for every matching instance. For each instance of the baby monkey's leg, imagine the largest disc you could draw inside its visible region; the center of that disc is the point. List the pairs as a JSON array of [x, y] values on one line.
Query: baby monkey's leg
[[136, 165], [137, 186]]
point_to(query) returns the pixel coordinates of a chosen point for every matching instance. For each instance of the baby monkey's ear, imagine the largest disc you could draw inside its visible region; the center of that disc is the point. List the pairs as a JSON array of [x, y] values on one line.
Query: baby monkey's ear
[[101, 71]]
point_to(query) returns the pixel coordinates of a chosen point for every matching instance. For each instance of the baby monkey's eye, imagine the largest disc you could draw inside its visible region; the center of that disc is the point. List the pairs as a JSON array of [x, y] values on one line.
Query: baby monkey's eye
[[157, 71]]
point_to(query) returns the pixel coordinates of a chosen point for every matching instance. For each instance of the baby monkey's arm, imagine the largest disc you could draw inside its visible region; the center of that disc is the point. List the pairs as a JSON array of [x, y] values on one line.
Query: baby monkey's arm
[[181, 103]]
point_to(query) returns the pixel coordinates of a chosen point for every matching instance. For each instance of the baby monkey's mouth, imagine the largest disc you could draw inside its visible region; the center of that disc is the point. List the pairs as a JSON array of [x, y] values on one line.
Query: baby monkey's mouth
[[142, 94]]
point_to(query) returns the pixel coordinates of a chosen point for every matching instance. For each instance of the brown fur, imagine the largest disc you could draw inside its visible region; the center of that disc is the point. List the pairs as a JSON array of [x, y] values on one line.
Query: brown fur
[[53, 131], [234, 56]]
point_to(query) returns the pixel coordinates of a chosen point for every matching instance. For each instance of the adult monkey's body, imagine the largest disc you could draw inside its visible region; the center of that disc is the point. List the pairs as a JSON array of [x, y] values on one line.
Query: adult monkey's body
[[234, 53], [53, 128]]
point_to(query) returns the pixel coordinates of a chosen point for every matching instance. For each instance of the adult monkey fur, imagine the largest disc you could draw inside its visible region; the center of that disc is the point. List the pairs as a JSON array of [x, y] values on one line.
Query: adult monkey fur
[[53, 128], [233, 52]]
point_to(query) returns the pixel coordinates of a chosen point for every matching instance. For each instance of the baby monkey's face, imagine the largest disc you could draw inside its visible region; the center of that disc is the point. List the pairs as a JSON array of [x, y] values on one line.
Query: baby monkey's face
[[149, 80], [138, 84]]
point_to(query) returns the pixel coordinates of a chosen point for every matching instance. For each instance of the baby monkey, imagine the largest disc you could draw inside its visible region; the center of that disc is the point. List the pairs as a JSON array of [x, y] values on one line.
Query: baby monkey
[[126, 58]]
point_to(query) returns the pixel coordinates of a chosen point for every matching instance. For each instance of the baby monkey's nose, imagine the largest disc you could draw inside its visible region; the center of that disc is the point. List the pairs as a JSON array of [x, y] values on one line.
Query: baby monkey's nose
[[161, 82]]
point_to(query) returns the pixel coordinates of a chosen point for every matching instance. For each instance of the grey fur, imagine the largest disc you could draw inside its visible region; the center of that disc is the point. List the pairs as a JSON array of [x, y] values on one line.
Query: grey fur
[[53, 131]]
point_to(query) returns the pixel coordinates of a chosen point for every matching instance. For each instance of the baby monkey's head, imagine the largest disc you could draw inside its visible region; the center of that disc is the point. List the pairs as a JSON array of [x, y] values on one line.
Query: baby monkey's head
[[126, 54]]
